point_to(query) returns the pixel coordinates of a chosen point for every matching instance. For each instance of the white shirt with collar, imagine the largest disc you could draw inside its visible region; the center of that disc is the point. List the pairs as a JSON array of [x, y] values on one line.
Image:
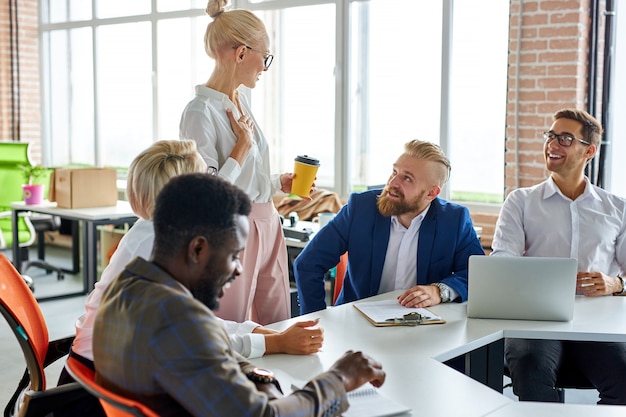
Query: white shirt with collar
[[205, 121], [400, 268], [541, 221]]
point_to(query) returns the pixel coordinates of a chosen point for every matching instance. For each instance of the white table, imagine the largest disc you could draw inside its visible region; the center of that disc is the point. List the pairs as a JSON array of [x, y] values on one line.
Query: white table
[[91, 218], [525, 409], [413, 356]]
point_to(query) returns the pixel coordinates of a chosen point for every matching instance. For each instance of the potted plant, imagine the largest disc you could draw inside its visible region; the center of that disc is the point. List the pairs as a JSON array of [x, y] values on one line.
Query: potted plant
[[33, 193]]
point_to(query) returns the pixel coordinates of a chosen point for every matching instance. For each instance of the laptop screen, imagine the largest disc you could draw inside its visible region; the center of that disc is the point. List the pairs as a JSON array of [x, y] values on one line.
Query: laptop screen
[[524, 288]]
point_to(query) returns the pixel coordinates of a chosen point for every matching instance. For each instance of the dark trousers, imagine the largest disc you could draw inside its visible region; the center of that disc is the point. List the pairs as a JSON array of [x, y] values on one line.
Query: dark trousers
[[534, 365], [90, 406]]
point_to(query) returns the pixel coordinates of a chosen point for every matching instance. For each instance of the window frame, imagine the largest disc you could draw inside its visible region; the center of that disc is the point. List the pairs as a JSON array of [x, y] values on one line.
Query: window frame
[[342, 152]]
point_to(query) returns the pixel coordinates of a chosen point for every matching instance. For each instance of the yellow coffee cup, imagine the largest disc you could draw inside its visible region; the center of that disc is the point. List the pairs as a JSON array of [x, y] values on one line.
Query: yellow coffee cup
[[305, 170]]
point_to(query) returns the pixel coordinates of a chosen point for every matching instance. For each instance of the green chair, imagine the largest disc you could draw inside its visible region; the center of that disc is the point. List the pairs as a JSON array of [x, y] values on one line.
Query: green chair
[[12, 155]]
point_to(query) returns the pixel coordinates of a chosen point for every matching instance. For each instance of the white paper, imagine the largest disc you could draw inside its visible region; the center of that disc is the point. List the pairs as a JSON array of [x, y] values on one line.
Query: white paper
[[380, 311], [368, 402]]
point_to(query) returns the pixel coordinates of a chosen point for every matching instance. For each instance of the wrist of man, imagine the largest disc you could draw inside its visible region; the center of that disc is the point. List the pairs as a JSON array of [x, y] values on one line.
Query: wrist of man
[[444, 291], [622, 282]]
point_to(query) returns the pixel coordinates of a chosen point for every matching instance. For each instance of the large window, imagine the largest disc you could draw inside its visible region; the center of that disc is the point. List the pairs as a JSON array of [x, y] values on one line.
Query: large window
[[391, 71], [117, 78], [617, 130], [351, 82]]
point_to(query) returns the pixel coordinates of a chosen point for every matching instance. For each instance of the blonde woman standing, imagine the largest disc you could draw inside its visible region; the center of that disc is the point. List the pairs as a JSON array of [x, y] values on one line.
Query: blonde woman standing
[[229, 139]]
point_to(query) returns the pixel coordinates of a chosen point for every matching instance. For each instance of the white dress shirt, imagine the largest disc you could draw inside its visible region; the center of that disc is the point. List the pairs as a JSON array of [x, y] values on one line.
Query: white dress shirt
[[541, 221], [138, 241], [400, 268], [205, 121]]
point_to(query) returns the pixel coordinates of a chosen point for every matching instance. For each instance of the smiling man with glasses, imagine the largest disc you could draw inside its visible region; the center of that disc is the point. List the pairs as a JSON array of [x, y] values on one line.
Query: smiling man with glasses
[[567, 216]]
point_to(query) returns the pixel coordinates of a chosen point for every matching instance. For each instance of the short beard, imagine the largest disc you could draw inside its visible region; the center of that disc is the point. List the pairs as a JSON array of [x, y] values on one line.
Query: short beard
[[388, 207], [207, 295]]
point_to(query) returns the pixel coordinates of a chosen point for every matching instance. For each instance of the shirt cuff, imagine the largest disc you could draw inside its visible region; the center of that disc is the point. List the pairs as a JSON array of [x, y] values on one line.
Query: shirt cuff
[[276, 185], [246, 327], [453, 294], [230, 171], [257, 344]]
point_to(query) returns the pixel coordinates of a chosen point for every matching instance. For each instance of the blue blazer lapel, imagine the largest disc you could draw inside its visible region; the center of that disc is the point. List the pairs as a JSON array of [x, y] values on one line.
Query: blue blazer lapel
[[426, 240], [382, 227]]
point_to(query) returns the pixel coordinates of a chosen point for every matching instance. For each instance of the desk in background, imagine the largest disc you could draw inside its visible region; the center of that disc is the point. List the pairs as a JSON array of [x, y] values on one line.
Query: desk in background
[[294, 247], [413, 356], [90, 218]]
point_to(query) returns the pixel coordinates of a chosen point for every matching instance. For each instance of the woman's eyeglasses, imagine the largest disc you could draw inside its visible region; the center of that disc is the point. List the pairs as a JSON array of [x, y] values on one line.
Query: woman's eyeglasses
[[267, 58]]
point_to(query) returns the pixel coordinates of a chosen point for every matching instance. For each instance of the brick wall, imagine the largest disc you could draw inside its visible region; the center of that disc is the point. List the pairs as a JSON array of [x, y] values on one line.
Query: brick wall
[[548, 73], [30, 119]]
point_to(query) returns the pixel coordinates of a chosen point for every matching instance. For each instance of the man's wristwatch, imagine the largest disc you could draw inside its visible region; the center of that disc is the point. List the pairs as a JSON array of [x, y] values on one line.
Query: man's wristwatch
[[623, 291], [263, 376], [444, 291]]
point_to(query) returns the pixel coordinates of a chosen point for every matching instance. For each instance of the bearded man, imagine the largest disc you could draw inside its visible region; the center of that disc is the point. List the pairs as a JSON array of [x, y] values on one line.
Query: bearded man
[[402, 237]]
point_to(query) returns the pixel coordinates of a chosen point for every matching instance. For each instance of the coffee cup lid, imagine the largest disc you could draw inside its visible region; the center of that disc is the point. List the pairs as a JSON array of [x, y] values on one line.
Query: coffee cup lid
[[309, 160]]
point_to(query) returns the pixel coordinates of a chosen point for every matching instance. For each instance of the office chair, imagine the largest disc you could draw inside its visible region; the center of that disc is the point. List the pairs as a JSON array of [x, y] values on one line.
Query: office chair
[[13, 154], [114, 405], [20, 309], [340, 272], [567, 378]]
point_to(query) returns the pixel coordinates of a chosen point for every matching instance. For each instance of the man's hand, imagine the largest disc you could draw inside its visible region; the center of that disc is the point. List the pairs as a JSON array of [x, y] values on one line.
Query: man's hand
[[299, 339], [420, 296], [270, 389], [593, 284], [356, 369]]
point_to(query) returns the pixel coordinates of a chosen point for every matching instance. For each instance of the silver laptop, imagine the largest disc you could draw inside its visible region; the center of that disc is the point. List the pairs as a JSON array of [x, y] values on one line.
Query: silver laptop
[[525, 288]]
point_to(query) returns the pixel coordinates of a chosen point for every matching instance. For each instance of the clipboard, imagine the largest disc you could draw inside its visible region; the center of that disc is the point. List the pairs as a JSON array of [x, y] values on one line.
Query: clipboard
[[386, 313]]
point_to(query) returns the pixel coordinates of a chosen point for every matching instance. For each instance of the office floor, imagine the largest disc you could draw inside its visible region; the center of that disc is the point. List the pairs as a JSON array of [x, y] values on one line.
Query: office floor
[[61, 314]]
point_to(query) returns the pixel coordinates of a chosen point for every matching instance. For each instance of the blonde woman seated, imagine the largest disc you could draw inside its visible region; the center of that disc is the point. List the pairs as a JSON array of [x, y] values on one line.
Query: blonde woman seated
[[147, 175]]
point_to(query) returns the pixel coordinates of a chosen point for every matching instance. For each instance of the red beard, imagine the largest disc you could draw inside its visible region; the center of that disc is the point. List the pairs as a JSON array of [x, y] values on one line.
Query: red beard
[[388, 207]]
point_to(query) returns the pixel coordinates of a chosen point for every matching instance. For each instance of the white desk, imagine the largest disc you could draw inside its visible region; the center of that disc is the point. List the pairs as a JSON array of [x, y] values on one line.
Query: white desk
[[91, 218], [412, 356], [525, 409]]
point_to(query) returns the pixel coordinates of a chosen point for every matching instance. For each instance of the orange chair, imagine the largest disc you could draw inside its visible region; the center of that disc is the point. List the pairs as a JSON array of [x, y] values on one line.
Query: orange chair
[[21, 311], [114, 405], [340, 272]]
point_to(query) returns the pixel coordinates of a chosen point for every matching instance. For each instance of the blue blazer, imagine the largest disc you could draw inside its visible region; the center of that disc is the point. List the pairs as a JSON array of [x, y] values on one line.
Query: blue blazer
[[446, 240]]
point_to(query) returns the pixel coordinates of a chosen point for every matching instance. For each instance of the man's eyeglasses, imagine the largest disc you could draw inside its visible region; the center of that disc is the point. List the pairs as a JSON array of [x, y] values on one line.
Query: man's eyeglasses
[[267, 58], [564, 140]]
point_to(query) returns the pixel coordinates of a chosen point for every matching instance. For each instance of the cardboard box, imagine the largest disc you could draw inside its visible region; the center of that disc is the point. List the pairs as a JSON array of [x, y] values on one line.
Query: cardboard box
[[109, 240], [84, 187]]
